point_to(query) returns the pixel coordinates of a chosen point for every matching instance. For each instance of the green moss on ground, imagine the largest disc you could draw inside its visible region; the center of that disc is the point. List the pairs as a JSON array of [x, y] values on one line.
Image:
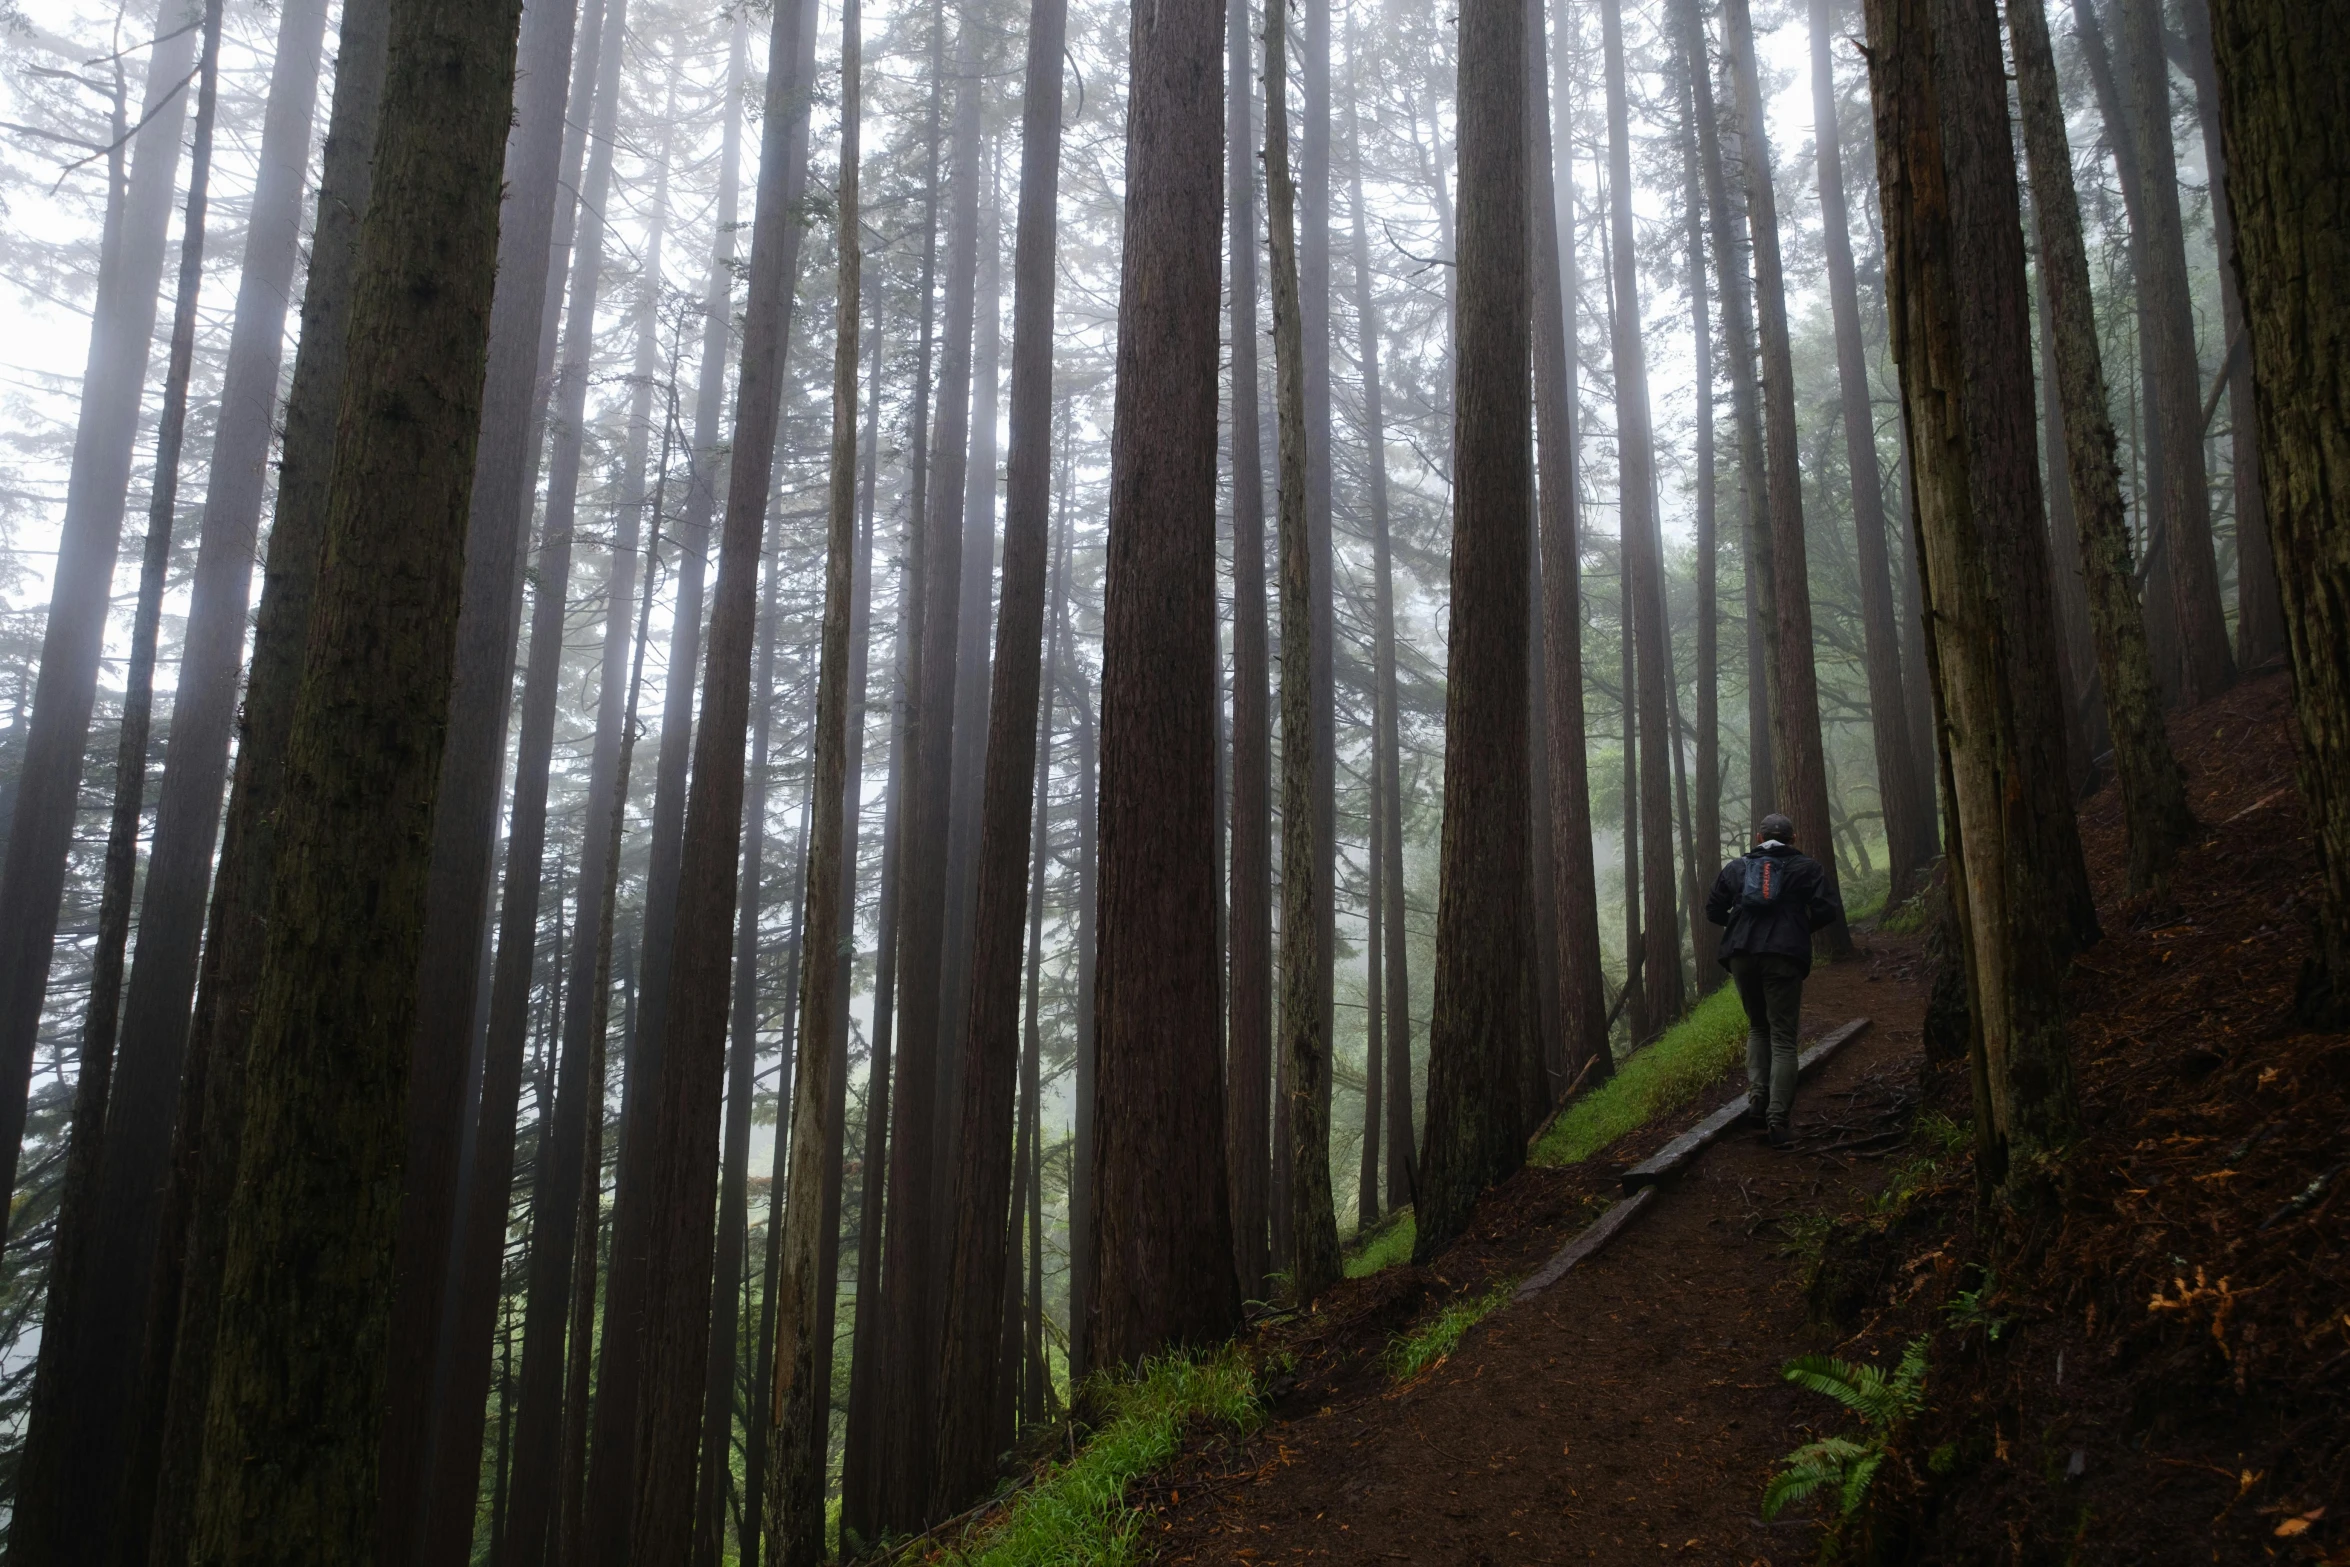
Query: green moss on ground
[[1077, 1512], [1688, 1060], [1389, 1242]]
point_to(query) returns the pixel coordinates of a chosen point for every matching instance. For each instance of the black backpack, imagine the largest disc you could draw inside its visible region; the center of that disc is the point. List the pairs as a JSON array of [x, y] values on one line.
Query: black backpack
[[1766, 884]]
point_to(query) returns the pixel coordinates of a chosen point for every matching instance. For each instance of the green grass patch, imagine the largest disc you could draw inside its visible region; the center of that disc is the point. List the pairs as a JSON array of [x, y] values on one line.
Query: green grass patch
[[1691, 1056], [1078, 1511], [1389, 1243], [1414, 1353]]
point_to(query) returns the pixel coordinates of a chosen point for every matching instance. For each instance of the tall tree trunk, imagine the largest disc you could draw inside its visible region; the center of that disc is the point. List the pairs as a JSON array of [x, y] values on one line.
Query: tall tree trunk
[[1304, 1035], [1706, 828], [728, 1275], [1737, 301], [1582, 987], [1035, 1380], [1248, 1115], [911, 1260], [570, 1364], [1643, 557], [618, 1464], [300, 1367], [1962, 340], [1313, 244], [1374, 1025], [2085, 736], [1907, 808], [2284, 110], [861, 1455], [990, 1037], [464, 824], [972, 621], [1160, 1247], [2260, 627], [82, 1373], [2207, 666], [1782, 572], [1082, 1141], [195, 755], [1473, 1138], [793, 1487], [555, 1194], [122, 327], [2154, 792], [869, 1491], [690, 1036], [184, 1300]]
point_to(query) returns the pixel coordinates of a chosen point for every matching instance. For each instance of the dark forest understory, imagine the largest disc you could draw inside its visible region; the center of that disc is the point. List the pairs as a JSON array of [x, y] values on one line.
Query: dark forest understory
[[1025, 782]]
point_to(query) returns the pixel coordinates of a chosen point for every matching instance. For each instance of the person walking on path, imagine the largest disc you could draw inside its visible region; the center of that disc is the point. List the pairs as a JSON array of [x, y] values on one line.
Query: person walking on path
[[1770, 901]]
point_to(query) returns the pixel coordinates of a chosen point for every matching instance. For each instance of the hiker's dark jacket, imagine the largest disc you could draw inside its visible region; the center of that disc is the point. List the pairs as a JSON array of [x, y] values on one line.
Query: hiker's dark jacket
[[1785, 929]]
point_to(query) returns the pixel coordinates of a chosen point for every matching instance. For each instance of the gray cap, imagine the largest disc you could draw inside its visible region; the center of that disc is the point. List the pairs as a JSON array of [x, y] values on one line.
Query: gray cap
[[1776, 826]]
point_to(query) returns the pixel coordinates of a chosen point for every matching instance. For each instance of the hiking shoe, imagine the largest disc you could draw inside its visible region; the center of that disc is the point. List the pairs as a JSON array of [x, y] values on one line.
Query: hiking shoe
[[1782, 1137], [1757, 1116]]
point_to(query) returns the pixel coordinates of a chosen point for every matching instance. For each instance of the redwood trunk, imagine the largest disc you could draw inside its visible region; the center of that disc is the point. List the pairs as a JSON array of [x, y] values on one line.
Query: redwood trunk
[[1473, 1138], [1782, 572], [2154, 792], [1160, 1252], [2285, 104], [968, 1435]]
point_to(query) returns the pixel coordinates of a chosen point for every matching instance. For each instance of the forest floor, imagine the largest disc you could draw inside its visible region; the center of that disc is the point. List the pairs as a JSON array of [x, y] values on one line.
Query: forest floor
[[1631, 1412], [2189, 1261]]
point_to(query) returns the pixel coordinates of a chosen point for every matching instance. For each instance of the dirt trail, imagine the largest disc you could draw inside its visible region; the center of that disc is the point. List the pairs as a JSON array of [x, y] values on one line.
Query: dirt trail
[[1632, 1412]]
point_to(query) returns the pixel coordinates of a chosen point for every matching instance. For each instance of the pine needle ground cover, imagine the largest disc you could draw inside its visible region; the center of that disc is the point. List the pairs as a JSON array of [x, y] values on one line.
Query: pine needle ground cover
[[1077, 1511]]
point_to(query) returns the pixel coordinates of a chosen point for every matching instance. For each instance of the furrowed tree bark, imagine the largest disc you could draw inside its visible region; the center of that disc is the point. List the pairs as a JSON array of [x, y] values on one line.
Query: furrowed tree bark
[[2287, 125], [2086, 737], [1733, 288], [1962, 340], [971, 1357], [122, 326], [2155, 813], [1907, 808], [73, 1438], [1304, 1034], [2260, 626], [1161, 1227], [184, 1298], [2207, 666], [793, 1486], [1782, 572], [465, 821], [682, 1156], [911, 1261], [1473, 1138], [1582, 987], [1248, 1113], [292, 1434], [1643, 556], [156, 1000]]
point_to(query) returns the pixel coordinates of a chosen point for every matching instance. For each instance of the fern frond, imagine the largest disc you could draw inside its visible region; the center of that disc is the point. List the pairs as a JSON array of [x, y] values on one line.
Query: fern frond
[[1861, 1389], [1857, 1478], [1810, 1468]]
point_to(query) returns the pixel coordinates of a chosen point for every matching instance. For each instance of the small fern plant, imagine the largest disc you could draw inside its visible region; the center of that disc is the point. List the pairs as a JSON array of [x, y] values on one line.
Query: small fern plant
[[1843, 1465]]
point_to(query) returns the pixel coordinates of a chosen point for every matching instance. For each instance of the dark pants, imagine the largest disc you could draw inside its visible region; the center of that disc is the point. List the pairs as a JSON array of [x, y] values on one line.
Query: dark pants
[[1771, 989]]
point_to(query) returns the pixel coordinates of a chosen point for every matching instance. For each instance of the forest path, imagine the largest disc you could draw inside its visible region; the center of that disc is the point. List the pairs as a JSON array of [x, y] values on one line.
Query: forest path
[[1634, 1410]]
